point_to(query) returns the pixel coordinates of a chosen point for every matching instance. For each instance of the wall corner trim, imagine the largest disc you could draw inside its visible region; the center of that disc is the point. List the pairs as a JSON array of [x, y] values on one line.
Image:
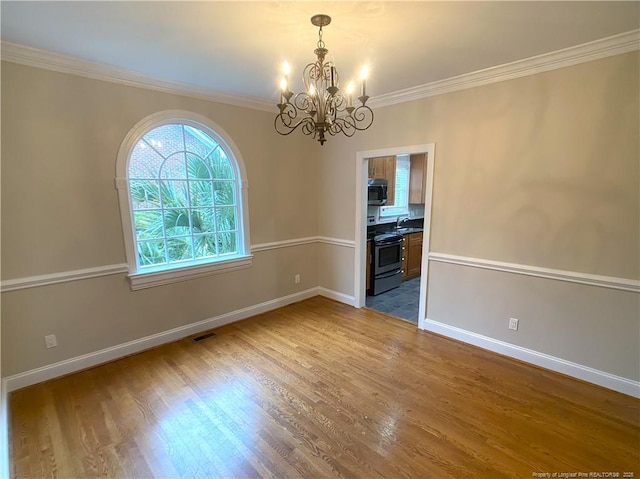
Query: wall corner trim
[[559, 365]]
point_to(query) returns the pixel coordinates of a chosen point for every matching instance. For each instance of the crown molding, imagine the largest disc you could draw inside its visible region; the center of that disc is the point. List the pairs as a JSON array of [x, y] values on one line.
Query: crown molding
[[34, 57], [605, 47]]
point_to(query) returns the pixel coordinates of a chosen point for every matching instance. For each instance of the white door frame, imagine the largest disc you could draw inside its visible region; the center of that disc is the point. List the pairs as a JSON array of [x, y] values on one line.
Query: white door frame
[[362, 173]]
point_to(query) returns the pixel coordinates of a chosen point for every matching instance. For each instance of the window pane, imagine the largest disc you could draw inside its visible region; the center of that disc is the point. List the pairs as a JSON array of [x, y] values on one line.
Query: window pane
[[166, 139], [220, 165], [144, 162], [226, 218], [401, 196], [224, 193], [205, 245], [151, 252], [174, 194], [203, 220], [198, 142], [174, 168], [196, 168], [227, 243], [179, 249], [144, 194], [148, 224], [176, 222], [201, 193], [183, 197]]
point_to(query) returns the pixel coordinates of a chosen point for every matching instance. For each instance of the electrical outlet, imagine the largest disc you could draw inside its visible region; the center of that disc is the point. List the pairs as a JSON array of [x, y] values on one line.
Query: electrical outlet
[[513, 324], [297, 278], [50, 341]]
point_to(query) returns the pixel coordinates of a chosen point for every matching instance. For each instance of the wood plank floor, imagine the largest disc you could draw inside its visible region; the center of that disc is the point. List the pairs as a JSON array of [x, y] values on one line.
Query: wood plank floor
[[319, 389]]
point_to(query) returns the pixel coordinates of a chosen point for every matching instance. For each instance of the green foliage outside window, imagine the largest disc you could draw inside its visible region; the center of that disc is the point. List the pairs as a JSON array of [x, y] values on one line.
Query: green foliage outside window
[[183, 199]]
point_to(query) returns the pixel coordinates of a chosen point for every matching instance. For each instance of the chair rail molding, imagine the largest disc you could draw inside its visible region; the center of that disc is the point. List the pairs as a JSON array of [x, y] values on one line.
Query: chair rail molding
[[612, 282], [17, 284]]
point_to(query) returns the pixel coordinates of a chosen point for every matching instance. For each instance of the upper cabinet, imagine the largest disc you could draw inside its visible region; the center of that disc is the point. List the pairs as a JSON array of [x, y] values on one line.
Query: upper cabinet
[[417, 171], [385, 167]]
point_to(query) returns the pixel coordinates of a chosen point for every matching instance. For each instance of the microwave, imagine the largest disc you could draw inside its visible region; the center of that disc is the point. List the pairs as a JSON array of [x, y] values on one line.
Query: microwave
[[377, 188]]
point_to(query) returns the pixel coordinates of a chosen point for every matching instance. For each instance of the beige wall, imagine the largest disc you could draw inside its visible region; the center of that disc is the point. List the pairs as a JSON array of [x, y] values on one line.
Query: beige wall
[[60, 137], [542, 171]]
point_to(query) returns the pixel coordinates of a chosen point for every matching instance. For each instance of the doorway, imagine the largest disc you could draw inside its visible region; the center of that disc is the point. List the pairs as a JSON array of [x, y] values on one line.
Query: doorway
[[361, 257]]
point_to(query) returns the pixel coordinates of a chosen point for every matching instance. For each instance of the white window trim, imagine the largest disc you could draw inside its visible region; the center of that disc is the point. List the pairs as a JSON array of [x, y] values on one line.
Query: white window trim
[[144, 278]]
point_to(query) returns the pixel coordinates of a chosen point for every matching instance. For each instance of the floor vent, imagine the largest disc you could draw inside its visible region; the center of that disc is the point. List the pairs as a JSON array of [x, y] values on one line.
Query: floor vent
[[203, 337]]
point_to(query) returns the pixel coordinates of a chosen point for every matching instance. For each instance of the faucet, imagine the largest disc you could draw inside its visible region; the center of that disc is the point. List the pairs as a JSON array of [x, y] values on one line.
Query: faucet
[[400, 220]]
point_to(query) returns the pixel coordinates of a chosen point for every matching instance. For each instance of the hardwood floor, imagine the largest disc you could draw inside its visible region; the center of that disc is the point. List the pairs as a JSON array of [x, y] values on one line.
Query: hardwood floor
[[320, 389]]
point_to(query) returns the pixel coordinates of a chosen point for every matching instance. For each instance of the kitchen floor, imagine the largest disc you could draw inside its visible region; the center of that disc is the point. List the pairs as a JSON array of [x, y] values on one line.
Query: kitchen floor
[[401, 301]]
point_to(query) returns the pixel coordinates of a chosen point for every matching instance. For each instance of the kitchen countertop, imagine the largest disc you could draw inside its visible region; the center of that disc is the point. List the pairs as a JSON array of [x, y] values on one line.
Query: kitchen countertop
[[406, 231], [401, 231], [409, 226]]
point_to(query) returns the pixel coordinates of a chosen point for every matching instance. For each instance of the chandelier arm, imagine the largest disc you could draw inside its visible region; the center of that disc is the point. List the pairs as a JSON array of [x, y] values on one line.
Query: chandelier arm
[[285, 121], [303, 103], [345, 125], [363, 117]]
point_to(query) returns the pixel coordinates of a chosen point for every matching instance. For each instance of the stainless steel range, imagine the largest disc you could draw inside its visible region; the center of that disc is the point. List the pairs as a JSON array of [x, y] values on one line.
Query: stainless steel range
[[387, 262]]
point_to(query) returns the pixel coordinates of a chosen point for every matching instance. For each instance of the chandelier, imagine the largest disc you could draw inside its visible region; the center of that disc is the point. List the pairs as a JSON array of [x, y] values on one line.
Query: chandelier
[[322, 107]]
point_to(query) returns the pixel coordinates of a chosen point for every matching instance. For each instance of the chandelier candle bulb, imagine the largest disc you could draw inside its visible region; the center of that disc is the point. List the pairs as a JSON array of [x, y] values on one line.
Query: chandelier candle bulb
[[283, 88], [363, 76]]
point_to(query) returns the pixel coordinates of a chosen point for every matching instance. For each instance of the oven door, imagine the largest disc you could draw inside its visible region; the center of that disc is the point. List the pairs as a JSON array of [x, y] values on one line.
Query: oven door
[[386, 281], [387, 256]]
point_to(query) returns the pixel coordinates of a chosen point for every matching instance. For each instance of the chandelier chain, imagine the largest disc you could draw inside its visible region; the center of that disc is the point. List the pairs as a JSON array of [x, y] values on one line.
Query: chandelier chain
[[320, 41]]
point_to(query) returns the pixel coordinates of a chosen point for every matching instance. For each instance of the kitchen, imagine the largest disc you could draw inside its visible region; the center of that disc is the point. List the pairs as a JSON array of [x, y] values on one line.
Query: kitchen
[[395, 221]]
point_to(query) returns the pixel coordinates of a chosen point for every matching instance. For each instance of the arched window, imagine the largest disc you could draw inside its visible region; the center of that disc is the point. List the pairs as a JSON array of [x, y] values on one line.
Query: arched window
[[182, 195]]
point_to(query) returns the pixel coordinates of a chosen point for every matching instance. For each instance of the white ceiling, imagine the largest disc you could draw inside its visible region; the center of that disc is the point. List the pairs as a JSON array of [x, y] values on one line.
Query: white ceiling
[[237, 47]]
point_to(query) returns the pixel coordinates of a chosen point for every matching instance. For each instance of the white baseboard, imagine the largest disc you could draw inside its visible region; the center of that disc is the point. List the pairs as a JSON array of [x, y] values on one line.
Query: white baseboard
[[585, 373], [341, 297], [85, 361]]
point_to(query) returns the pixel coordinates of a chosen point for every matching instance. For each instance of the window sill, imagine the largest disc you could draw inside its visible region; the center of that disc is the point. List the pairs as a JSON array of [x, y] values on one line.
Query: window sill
[[150, 279]]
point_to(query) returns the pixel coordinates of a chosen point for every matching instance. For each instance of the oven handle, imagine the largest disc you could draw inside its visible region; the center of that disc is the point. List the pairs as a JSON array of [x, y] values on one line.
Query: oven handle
[[389, 242], [388, 275]]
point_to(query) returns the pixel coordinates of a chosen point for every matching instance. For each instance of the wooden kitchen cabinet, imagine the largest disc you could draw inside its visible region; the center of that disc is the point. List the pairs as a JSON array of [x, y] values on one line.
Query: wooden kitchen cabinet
[[385, 167], [411, 255], [414, 255], [417, 172], [405, 257]]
